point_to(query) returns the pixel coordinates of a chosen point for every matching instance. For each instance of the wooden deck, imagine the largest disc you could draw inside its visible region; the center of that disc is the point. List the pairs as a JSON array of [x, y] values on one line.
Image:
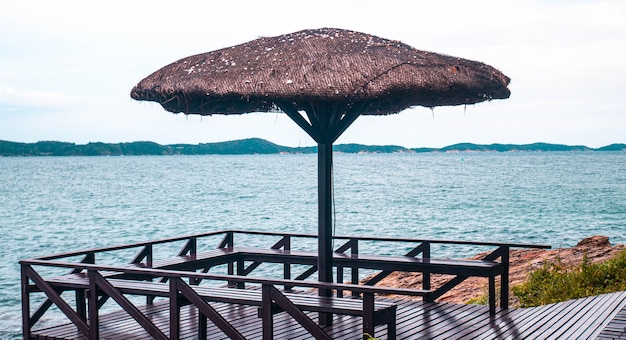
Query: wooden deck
[[616, 328], [602, 316]]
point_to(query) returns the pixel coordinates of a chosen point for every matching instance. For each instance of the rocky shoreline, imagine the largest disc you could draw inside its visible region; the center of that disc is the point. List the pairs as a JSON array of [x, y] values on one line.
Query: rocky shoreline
[[522, 262]]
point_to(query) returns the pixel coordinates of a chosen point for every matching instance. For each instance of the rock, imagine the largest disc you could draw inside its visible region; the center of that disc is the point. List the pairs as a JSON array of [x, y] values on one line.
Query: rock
[[522, 261], [594, 241]]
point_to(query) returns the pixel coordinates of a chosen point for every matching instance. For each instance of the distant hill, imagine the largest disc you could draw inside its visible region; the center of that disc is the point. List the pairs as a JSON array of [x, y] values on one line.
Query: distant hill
[[257, 146], [236, 147], [514, 147]]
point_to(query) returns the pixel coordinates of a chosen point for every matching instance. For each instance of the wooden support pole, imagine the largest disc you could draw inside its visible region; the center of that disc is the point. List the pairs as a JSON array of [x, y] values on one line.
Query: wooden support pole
[[325, 229]]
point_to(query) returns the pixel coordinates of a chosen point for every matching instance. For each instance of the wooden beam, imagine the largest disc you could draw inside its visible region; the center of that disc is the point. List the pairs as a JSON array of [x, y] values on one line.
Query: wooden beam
[[293, 113], [190, 247], [271, 293], [131, 309], [55, 297], [206, 309]]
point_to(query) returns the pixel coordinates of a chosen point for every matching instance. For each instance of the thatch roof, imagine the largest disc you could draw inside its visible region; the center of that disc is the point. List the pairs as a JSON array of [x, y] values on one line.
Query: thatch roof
[[326, 65]]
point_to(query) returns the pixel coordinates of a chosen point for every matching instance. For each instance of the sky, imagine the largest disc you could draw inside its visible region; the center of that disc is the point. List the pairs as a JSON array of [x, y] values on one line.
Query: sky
[[67, 68]]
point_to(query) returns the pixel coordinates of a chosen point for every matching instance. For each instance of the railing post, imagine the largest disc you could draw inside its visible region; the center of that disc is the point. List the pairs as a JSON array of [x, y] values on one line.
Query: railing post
[[202, 327], [504, 277], [174, 309], [426, 274], [368, 313], [149, 256], [148, 251], [94, 323], [26, 323], [354, 271], [353, 245], [240, 272], [287, 266], [339, 280], [267, 314], [193, 245], [228, 242], [81, 309]]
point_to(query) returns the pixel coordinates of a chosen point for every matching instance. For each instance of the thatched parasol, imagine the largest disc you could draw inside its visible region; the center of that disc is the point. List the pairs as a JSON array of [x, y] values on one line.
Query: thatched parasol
[[323, 79]]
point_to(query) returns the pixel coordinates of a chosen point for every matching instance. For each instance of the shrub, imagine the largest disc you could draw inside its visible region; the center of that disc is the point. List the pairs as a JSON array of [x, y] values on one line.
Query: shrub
[[553, 282]]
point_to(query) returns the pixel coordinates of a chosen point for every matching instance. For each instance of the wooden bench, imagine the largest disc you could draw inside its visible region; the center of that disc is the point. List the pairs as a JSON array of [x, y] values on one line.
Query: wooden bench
[[373, 312], [381, 262], [461, 268], [190, 258], [387, 264], [207, 258]]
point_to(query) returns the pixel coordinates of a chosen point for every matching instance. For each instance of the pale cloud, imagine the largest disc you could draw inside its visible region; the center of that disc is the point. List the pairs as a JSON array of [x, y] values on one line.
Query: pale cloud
[[81, 59], [12, 97]]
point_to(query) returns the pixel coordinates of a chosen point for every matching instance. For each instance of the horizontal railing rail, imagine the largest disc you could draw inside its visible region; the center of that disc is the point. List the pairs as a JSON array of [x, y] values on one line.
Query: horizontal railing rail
[[291, 235], [157, 273]]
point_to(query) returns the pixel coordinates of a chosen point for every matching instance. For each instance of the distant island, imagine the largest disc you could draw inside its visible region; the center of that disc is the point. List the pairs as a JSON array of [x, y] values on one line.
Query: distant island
[[257, 146]]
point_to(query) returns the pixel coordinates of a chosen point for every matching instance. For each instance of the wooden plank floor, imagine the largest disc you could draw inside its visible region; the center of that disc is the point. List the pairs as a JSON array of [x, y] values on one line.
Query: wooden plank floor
[[602, 316], [616, 328]]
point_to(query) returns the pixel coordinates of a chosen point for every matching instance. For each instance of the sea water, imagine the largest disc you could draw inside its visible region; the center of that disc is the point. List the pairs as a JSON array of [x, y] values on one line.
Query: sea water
[[57, 204]]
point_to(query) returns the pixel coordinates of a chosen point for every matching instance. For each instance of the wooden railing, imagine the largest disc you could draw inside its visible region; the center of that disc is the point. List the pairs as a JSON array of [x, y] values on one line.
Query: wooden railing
[[99, 283], [199, 253]]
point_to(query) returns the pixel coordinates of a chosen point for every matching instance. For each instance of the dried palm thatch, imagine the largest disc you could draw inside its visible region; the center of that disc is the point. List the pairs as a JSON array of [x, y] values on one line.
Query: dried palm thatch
[[327, 65]]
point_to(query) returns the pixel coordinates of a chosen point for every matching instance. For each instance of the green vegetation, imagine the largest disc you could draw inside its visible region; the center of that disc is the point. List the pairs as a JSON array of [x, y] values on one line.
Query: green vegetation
[[255, 146], [237, 147], [554, 282], [483, 299], [479, 300]]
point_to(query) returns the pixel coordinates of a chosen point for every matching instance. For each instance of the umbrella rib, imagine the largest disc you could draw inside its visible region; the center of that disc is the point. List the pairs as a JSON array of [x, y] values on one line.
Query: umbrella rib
[[323, 119], [337, 114], [290, 110], [348, 118], [311, 113]]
